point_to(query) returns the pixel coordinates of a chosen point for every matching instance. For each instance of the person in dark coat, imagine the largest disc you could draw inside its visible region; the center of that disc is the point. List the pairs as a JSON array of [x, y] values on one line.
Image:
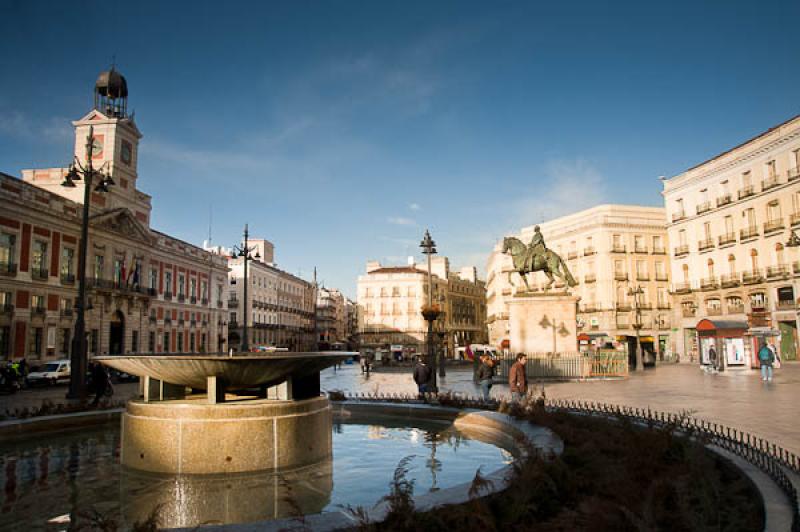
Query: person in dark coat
[[99, 381], [517, 379], [422, 376]]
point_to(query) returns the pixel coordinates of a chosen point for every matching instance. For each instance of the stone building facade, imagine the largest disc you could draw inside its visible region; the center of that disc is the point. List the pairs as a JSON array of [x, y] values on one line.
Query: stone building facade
[[331, 319], [730, 219], [280, 306], [610, 251], [147, 291], [390, 300]]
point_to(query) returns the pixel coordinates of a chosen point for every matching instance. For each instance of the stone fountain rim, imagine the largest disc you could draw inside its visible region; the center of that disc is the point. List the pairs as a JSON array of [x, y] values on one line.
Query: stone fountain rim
[[248, 357]]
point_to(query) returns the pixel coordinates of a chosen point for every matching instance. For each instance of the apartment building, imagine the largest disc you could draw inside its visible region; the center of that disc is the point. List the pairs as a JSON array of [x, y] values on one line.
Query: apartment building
[[730, 219]]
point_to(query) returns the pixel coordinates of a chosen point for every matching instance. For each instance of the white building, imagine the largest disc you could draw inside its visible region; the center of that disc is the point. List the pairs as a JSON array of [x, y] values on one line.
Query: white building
[[610, 251], [730, 219], [331, 319]]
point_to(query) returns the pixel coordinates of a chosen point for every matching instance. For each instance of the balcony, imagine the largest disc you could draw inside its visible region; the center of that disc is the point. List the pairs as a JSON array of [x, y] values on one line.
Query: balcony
[[231, 325], [620, 276], [204, 301], [589, 251], [6, 308], [152, 318], [708, 283], [589, 278], [729, 281], [618, 248], [703, 207], [678, 216], [785, 304], [794, 219], [781, 271], [793, 173], [681, 250], [659, 251], [746, 192], [642, 276], [192, 323], [770, 182], [681, 288], [192, 299], [663, 305], [796, 268], [645, 305], [703, 245], [39, 274], [713, 311], [167, 296], [589, 307], [735, 309], [219, 303], [38, 310], [572, 255], [774, 225], [724, 200], [640, 249], [749, 233], [68, 278], [623, 325], [727, 238], [167, 320], [661, 276], [181, 298], [663, 325], [233, 303], [623, 307], [181, 322], [752, 276], [8, 268], [688, 312]]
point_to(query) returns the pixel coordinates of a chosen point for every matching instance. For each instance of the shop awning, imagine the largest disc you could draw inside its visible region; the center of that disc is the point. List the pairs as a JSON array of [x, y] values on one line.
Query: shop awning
[[720, 325]]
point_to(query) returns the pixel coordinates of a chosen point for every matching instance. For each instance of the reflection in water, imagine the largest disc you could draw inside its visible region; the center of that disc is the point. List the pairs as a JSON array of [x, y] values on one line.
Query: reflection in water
[[73, 473]]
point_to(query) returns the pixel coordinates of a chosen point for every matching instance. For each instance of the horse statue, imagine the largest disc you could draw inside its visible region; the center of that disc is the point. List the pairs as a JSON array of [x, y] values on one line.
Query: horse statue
[[548, 262]]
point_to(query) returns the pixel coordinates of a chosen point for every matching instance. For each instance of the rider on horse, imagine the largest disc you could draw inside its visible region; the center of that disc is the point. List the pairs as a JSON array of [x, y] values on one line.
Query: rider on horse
[[536, 249]]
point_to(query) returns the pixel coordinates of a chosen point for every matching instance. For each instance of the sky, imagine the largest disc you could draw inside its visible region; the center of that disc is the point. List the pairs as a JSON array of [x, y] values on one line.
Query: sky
[[342, 130]]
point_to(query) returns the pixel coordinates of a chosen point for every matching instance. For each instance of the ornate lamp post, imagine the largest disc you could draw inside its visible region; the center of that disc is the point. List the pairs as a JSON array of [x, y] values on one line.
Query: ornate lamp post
[[793, 242], [79, 353], [637, 325], [430, 312], [244, 251]]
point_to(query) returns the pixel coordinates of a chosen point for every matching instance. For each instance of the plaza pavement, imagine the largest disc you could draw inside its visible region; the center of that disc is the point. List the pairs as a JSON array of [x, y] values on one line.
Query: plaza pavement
[[738, 398]]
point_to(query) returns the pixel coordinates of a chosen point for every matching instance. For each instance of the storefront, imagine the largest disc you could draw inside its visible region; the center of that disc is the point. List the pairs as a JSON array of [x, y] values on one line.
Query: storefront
[[728, 338]]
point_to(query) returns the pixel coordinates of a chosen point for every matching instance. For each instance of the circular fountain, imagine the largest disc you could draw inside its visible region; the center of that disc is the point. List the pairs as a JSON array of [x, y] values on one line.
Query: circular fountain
[[276, 419]]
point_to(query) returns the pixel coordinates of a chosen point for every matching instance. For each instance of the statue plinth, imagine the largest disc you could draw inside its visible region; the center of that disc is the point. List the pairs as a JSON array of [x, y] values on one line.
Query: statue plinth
[[543, 322]]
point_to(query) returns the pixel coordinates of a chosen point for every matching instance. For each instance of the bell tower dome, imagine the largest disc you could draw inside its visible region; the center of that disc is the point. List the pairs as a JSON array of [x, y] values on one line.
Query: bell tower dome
[[111, 94]]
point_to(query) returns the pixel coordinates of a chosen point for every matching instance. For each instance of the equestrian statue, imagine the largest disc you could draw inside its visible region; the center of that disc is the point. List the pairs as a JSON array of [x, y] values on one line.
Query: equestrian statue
[[536, 257]]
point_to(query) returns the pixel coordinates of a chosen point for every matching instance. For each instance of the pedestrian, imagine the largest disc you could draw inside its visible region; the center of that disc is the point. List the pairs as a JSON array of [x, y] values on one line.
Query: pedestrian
[[100, 382], [766, 357], [518, 379], [422, 376], [712, 357], [485, 375]]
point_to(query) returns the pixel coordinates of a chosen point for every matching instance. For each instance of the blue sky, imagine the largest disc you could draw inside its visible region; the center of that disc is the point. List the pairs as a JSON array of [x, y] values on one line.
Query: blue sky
[[341, 130]]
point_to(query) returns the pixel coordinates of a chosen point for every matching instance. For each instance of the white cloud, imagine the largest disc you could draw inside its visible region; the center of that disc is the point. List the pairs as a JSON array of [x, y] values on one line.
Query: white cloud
[[415, 207], [399, 220]]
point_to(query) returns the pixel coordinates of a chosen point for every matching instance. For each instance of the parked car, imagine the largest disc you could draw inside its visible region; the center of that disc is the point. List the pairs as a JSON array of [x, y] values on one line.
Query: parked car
[[50, 373]]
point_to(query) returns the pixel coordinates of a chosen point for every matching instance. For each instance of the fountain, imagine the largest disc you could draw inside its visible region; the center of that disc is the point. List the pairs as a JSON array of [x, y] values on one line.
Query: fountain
[[277, 418]]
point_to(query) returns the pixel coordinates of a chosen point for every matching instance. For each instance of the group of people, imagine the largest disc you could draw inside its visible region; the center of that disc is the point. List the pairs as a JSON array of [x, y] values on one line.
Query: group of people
[[517, 378], [767, 357]]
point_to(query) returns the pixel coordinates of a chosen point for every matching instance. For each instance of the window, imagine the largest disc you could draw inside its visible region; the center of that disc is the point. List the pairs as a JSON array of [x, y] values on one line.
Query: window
[[707, 230], [732, 264], [773, 211], [181, 284], [37, 302], [641, 268], [66, 305], [65, 340], [68, 264], [119, 265], [758, 301], [165, 345], [203, 343], [134, 341], [770, 170], [682, 237], [754, 259], [5, 342], [711, 268], [796, 159], [151, 342], [729, 225], [638, 242], [750, 218], [99, 263], [7, 251], [153, 278], [785, 294], [746, 179], [191, 342], [685, 271], [168, 283], [94, 342], [679, 207], [39, 257], [658, 243], [779, 254], [616, 242], [37, 341]]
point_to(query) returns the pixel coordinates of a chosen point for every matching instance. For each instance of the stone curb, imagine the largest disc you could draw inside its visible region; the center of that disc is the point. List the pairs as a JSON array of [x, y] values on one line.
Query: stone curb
[[514, 435], [24, 428]]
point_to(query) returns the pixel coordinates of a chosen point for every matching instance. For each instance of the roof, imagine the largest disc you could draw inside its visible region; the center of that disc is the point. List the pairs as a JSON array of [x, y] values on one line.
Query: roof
[[767, 132], [397, 269]]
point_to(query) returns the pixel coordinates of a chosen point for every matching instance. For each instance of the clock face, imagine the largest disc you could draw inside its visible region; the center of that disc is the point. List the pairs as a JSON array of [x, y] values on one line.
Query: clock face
[[97, 147], [125, 152]]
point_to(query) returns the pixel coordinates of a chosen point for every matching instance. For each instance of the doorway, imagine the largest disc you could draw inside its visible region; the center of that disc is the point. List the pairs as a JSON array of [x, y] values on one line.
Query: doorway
[[788, 340], [116, 334]]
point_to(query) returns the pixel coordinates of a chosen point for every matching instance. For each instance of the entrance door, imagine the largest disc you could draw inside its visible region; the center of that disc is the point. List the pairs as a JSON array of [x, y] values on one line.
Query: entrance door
[[788, 341], [116, 334]]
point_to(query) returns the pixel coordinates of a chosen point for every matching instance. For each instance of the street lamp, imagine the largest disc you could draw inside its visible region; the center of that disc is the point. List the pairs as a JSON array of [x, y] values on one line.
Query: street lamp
[[79, 352], [637, 325], [245, 252], [430, 312], [793, 242]]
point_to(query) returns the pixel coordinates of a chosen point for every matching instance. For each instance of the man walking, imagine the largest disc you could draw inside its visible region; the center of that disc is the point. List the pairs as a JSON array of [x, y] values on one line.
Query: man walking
[[422, 376], [518, 379], [766, 357], [485, 375]]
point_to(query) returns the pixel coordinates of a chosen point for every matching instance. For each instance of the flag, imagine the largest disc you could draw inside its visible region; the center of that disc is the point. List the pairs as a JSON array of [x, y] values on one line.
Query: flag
[[122, 277], [130, 270], [135, 275], [468, 353]]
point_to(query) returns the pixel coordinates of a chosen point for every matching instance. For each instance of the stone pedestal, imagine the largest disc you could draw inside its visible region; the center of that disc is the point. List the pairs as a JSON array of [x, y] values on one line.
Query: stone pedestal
[[192, 436], [543, 323]]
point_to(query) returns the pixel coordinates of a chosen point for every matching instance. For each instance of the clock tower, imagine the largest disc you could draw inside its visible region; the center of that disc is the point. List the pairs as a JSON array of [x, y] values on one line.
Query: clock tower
[[115, 143]]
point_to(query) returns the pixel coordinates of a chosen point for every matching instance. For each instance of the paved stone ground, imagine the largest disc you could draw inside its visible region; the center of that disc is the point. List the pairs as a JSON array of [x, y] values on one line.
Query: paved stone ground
[[736, 398]]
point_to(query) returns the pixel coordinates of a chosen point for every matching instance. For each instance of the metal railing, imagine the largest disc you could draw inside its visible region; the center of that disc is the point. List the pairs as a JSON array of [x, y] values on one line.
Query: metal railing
[[567, 366], [723, 200], [703, 207], [705, 244], [727, 238], [746, 192], [681, 250]]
